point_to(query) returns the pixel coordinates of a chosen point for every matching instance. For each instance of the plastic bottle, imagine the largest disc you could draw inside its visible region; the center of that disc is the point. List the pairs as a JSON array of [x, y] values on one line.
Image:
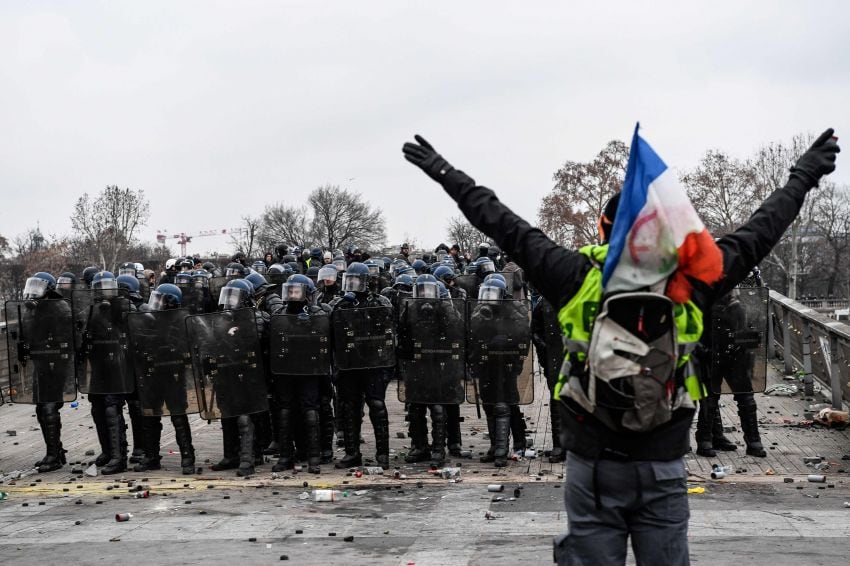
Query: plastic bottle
[[373, 470], [326, 495]]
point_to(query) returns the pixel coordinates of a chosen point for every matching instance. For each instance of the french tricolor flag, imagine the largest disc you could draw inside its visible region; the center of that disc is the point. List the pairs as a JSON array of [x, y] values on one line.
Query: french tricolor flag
[[657, 233]]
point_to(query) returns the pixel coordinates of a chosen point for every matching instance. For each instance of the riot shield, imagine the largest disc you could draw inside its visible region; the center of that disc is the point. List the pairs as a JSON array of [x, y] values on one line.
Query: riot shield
[[363, 338], [431, 351], [498, 353], [228, 363], [40, 343], [194, 299], [468, 283], [300, 344], [103, 358], [552, 340], [216, 283], [514, 281], [161, 363], [739, 341]]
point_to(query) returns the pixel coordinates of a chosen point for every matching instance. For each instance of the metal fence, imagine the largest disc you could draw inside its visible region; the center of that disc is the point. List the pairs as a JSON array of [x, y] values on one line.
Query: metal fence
[[810, 342]]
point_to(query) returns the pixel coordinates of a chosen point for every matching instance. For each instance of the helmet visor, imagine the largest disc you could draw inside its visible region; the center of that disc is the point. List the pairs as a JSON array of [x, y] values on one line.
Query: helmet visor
[[294, 292], [35, 288], [233, 273], [160, 301], [65, 283], [260, 268], [374, 270], [354, 283], [487, 267], [231, 298], [328, 274], [105, 288], [340, 264], [425, 290], [487, 293], [200, 281], [127, 271]]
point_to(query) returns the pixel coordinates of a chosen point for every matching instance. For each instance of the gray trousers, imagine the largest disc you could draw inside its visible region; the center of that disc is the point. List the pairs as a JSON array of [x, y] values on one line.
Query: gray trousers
[[645, 500]]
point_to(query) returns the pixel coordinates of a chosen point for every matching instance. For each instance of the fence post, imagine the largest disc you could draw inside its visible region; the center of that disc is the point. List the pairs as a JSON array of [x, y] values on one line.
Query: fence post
[[786, 341], [835, 373]]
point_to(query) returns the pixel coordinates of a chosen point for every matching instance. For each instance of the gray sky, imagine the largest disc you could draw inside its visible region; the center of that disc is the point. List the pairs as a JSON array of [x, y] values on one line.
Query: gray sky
[[218, 108]]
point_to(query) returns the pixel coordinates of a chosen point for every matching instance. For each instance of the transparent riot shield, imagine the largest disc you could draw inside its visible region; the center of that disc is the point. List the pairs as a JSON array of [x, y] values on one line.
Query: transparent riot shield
[[300, 344], [363, 337], [162, 363], [739, 341], [514, 282], [468, 283], [499, 359], [195, 299], [103, 357], [40, 342], [432, 351], [228, 363]]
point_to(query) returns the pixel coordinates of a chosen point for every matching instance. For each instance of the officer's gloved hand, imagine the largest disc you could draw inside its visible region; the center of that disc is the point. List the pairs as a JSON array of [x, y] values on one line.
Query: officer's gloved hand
[[818, 161], [30, 304], [424, 156]]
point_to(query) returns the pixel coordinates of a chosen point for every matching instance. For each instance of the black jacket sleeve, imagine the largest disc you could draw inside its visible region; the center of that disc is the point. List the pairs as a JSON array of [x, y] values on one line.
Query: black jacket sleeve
[[554, 270], [748, 245]]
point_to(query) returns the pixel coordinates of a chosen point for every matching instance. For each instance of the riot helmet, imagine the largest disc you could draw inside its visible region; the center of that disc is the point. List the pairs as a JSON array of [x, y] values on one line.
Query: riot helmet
[[298, 289], [404, 283], [235, 295], [104, 285], [419, 266], [492, 290], [39, 285], [66, 281], [128, 268], [288, 258], [183, 279], [259, 266], [275, 274], [445, 274], [201, 278], [209, 266], [374, 268], [485, 266], [339, 263], [498, 276], [140, 269], [88, 275], [234, 270], [327, 276], [443, 291], [257, 280], [185, 264], [425, 287], [129, 284], [165, 297], [356, 278]]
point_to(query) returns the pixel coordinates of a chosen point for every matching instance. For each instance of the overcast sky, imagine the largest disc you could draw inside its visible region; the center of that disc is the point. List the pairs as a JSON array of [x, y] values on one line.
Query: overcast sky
[[216, 109]]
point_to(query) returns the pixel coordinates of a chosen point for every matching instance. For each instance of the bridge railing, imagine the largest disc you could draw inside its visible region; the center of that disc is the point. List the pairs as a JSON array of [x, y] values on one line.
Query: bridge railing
[[811, 342]]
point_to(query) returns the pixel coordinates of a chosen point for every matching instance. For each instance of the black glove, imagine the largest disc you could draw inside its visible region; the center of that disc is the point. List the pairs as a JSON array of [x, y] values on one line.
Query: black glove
[[818, 161], [423, 156]]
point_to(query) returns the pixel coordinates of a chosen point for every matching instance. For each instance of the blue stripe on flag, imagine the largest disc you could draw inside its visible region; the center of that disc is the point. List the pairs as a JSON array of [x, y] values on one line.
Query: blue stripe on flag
[[644, 167]]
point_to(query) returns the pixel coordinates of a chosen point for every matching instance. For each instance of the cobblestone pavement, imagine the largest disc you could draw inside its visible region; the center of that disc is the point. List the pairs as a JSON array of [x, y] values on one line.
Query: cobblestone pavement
[[753, 515]]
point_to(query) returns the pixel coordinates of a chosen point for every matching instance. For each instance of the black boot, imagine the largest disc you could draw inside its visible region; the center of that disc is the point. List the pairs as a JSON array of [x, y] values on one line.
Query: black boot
[[418, 431], [314, 447], [747, 410], [326, 423], [352, 421], [137, 424], [381, 425], [284, 441], [438, 435], [491, 432], [230, 444], [53, 460], [153, 434], [117, 441], [518, 428], [39, 415], [184, 440], [245, 427], [259, 420], [453, 429], [273, 447], [98, 415], [557, 454], [502, 430], [718, 439], [703, 436]]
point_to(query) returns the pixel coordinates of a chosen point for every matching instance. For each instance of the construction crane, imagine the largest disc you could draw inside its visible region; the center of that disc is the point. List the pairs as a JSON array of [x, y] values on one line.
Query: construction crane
[[184, 238]]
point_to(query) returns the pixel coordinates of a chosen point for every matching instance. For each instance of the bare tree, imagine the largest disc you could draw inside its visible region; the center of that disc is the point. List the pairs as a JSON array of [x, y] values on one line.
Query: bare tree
[[31, 252], [464, 234], [342, 217], [246, 240], [722, 190], [282, 224], [109, 222], [569, 214], [830, 240]]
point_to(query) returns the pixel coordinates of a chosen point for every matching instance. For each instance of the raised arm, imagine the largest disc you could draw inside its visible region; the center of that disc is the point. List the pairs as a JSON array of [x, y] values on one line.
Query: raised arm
[[554, 270]]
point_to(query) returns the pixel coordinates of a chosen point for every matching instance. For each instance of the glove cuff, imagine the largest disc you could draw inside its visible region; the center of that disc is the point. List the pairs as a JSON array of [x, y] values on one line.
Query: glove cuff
[[807, 178]]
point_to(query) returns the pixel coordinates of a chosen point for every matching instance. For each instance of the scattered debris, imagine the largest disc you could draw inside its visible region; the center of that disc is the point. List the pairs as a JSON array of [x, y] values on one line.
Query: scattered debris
[[91, 471], [123, 517], [816, 478], [697, 490], [495, 488]]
